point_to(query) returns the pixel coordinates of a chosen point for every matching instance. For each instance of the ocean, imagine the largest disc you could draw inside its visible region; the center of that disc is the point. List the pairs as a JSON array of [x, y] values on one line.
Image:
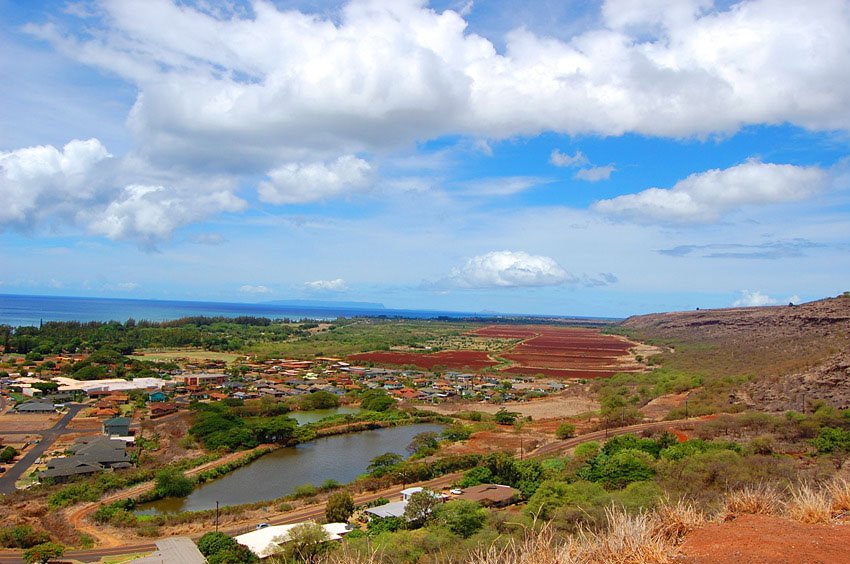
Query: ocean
[[17, 311]]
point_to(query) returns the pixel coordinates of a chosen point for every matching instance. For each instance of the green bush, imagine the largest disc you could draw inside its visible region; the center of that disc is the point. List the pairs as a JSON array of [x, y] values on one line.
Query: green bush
[[565, 431]]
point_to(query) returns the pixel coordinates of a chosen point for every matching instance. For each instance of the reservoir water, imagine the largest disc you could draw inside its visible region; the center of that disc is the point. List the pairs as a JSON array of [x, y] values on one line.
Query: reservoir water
[[314, 415], [341, 458]]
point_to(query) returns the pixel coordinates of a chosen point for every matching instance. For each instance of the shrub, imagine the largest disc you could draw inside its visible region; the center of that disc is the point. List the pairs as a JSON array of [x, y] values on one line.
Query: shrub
[[43, 552], [304, 490], [339, 507], [565, 431], [462, 517], [22, 536], [172, 483]]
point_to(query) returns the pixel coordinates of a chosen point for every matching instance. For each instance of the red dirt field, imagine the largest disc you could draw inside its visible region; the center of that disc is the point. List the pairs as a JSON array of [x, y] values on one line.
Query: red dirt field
[[474, 360], [753, 539], [558, 372], [564, 352], [559, 352]]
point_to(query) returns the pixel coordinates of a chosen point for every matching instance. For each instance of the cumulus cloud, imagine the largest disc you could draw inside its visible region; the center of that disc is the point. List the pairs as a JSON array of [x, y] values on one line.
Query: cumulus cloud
[[83, 185], [595, 174], [252, 89], [509, 269], [297, 183], [335, 285], [36, 181], [755, 298], [706, 196], [251, 289], [151, 213], [558, 158]]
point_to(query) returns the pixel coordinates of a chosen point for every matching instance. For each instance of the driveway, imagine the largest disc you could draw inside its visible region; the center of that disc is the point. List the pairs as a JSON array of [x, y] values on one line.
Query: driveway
[[48, 437]]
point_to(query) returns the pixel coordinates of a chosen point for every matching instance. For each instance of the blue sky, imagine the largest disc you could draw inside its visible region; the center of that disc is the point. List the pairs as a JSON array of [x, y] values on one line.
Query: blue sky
[[549, 157]]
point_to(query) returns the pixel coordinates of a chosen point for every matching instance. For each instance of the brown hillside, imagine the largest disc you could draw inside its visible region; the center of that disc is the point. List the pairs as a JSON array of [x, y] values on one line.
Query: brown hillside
[[793, 354]]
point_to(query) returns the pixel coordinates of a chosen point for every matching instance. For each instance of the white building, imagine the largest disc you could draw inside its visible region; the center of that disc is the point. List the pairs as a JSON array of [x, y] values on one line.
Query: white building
[[267, 541]]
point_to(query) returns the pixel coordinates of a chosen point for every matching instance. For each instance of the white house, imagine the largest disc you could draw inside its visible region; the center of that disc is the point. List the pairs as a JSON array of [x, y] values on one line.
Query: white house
[[267, 541]]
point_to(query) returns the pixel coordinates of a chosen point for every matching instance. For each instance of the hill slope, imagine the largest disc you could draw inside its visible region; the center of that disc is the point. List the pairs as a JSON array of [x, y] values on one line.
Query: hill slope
[[790, 354]]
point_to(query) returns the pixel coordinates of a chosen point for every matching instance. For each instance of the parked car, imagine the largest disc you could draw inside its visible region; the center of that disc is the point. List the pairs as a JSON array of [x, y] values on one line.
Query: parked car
[[262, 525]]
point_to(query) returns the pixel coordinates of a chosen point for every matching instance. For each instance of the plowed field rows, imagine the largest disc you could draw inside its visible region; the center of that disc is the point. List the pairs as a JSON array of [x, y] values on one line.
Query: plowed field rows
[[473, 360], [561, 352], [564, 352]]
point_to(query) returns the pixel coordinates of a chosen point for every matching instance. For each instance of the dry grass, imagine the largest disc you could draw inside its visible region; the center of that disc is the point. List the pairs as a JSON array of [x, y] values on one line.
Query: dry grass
[[628, 539], [672, 521], [809, 505], [839, 491], [761, 500]]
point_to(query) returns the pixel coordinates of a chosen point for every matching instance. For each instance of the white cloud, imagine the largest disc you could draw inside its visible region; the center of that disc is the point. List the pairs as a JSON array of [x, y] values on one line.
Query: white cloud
[[36, 181], [251, 289], [558, 158], [151, 213], [255, 91], [705, 196], [299, 183], [509, 269], [753, 299], [595, 174], [82, 185], [128, 286], [335, 285], [502, 186]]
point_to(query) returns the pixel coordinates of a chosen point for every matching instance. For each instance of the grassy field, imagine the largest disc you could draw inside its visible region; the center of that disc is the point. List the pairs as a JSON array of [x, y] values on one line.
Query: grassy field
[[362, 336], [167, 355]]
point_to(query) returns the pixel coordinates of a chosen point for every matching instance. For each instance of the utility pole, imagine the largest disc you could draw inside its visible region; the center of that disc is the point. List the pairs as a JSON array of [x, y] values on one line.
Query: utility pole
[[216, 516], [521, 450]]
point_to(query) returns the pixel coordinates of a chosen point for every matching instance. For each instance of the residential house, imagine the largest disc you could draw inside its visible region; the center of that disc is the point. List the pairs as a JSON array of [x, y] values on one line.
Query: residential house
[[35, 407], [117, 426], [491, 495], [88, 456]]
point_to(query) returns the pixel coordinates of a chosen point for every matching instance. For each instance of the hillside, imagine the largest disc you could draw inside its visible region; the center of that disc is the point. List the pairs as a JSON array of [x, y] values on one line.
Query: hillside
[[790, 355]]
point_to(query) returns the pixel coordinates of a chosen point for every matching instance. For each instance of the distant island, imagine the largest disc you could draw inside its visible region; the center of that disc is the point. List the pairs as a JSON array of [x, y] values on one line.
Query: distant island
[[328, 304]]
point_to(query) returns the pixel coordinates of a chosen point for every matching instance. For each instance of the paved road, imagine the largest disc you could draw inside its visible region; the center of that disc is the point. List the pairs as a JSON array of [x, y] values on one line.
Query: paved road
[[8, 479]]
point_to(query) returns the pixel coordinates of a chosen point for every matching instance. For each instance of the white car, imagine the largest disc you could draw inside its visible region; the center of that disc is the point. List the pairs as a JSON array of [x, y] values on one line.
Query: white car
[[455, 492]]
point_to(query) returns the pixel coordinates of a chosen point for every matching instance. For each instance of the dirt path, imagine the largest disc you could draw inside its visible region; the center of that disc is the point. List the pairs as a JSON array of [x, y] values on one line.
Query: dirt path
[[78, 515], [752, 539]]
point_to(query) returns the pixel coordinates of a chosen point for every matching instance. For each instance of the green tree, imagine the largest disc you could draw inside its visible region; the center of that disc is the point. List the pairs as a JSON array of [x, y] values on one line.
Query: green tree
[[462, 517], [339, 508], [457, 432], [565, 431], [383, 463], [505, 417], [42, 553], [424, 444], [419, 508], [376, 400], [172, 483], [319, 400], [305, 542], [8, 454], [221, 549]]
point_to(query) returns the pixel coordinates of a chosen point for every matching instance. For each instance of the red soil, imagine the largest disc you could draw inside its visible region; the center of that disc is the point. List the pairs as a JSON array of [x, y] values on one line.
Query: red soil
[[558, 372], [560, 352], [752, 539], [474, 360]]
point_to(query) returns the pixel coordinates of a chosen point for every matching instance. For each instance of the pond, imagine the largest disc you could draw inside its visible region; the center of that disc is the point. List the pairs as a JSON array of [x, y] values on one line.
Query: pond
[[305, 417], [340, 457]]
